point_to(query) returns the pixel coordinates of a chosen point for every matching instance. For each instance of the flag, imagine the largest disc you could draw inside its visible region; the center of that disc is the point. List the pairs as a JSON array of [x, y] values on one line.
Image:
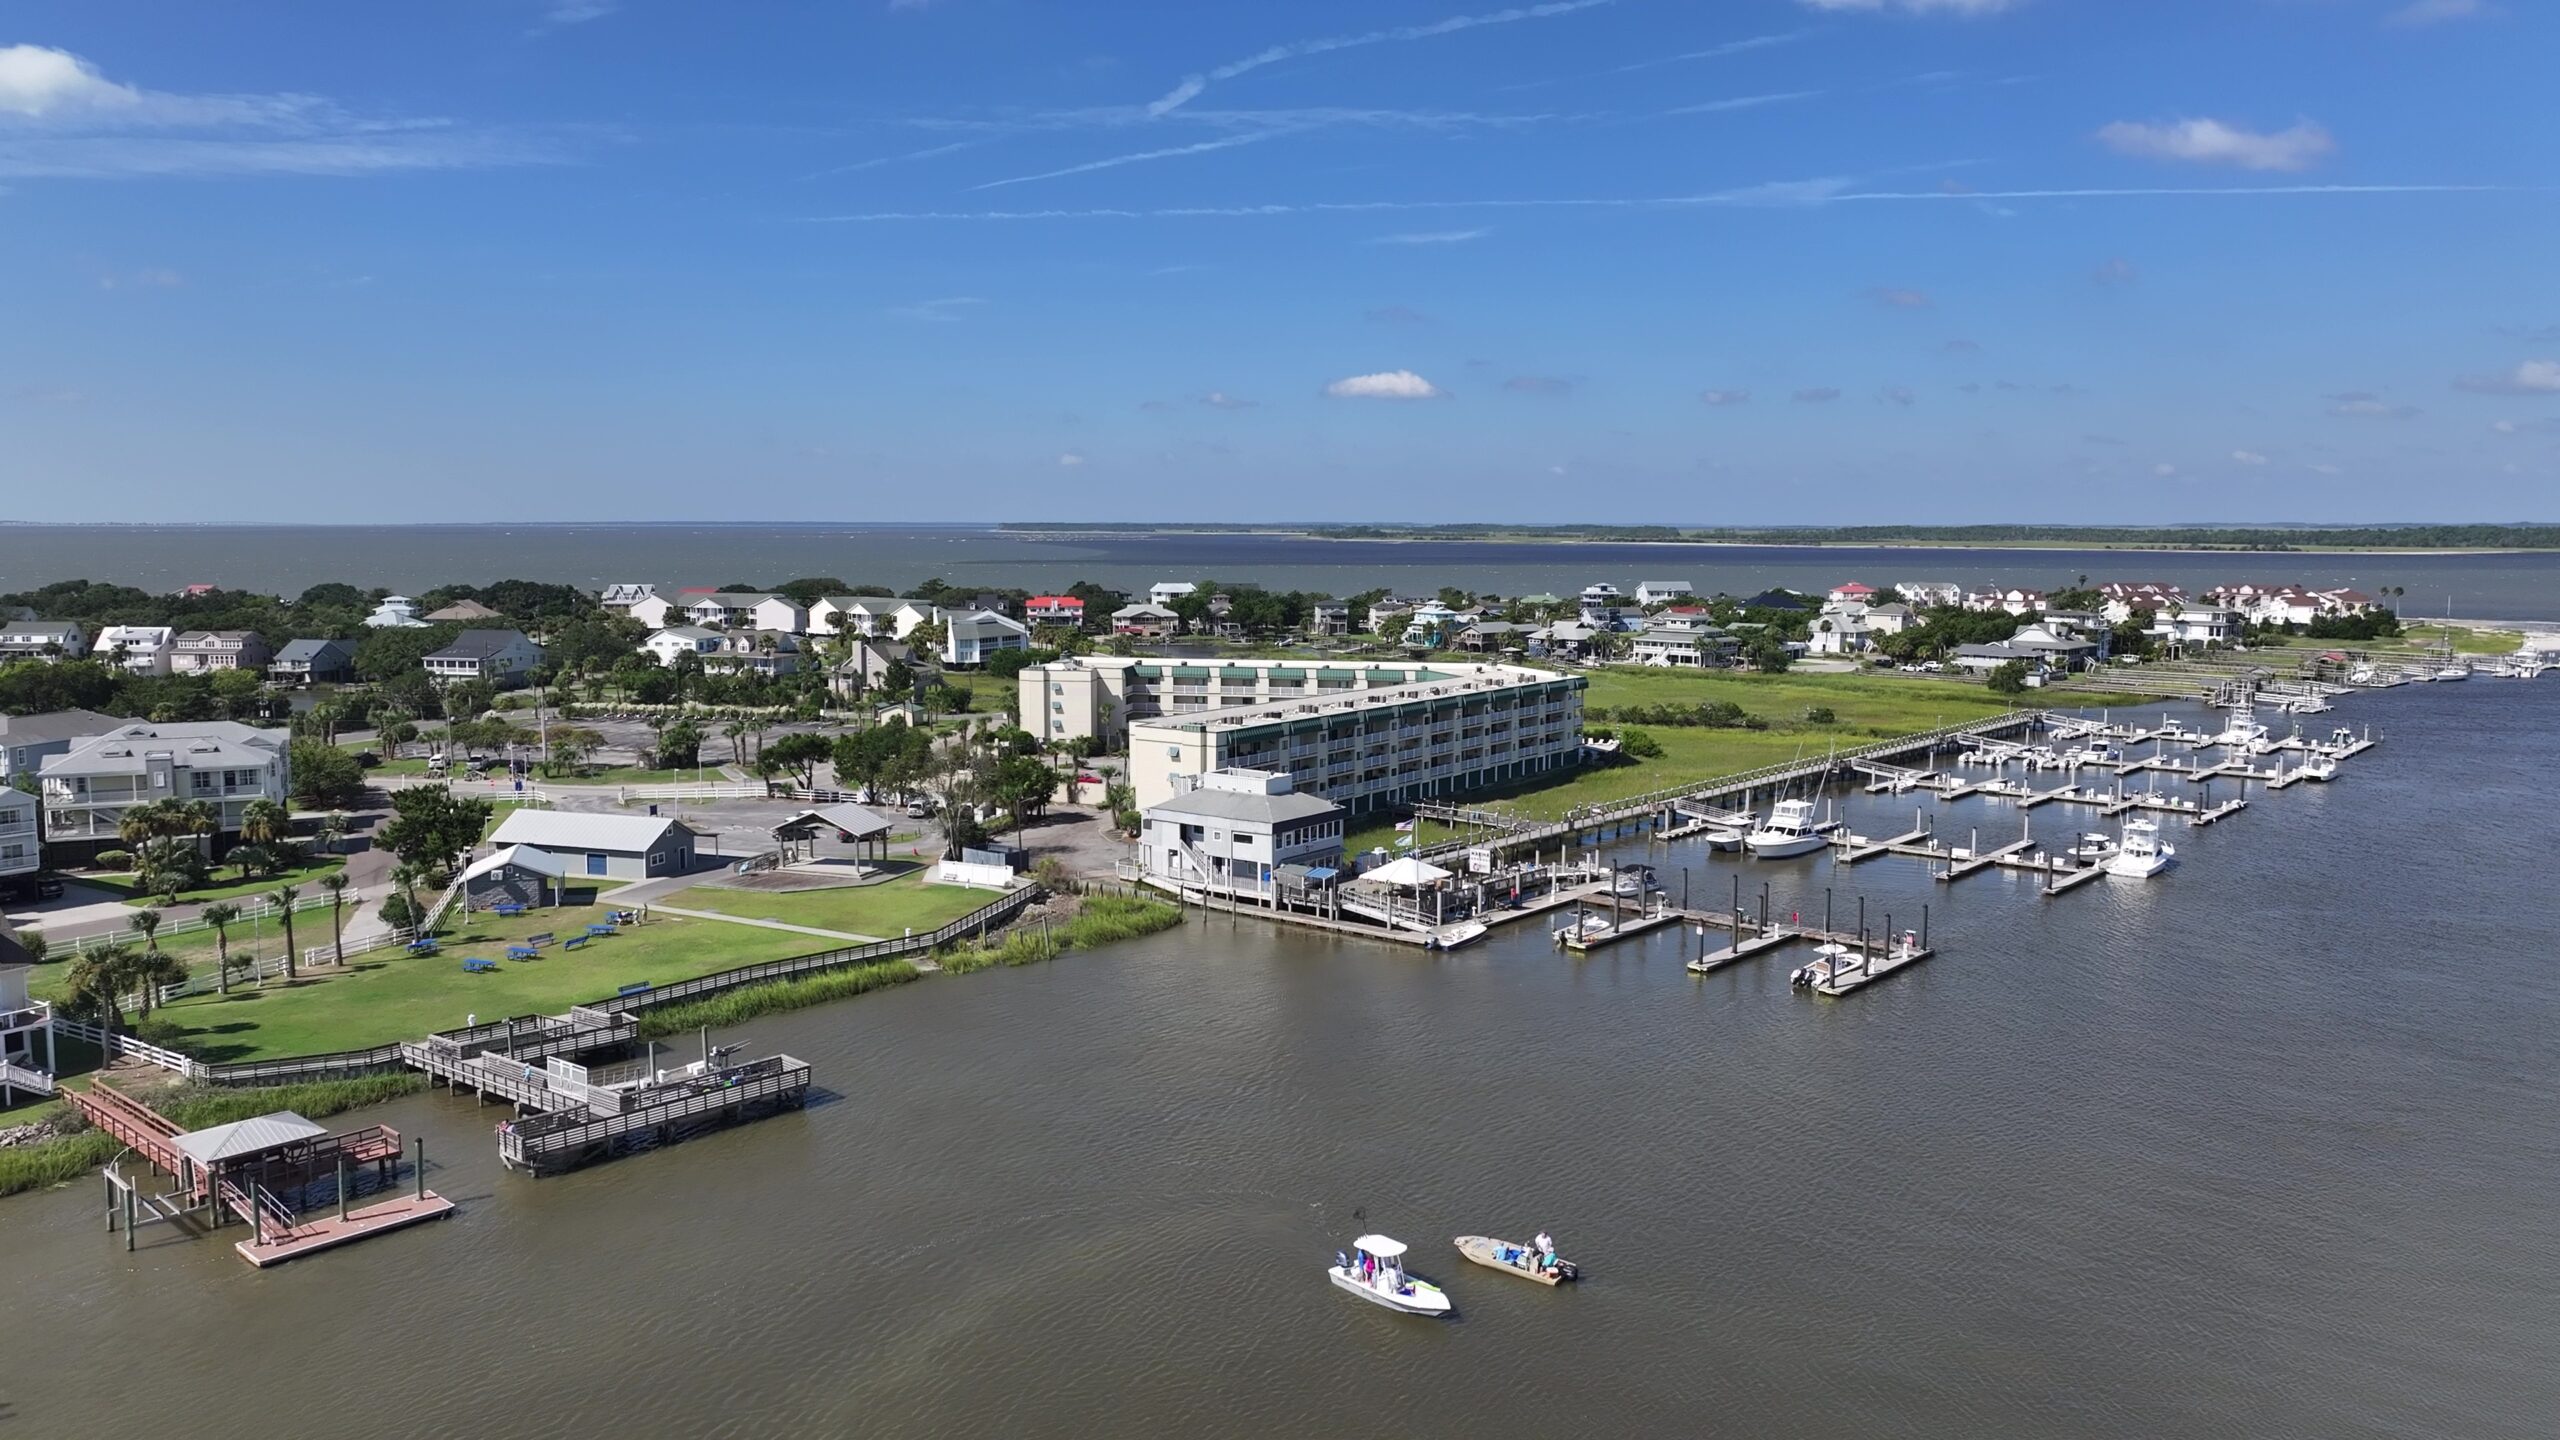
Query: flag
[[1404, 824], [1404, 840]]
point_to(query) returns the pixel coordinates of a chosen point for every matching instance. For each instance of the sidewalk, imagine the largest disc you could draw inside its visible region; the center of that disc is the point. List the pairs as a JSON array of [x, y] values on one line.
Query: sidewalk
[[844, 935]]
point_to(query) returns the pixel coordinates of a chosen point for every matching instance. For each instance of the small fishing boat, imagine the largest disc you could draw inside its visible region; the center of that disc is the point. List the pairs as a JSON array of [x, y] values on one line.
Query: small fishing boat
[[1520, 1260], [1634, 882], [1585, 929], [1724, 839], [1832, 960], [2320, 769], [2454, 672], [1374, 1271], [2092, 848]]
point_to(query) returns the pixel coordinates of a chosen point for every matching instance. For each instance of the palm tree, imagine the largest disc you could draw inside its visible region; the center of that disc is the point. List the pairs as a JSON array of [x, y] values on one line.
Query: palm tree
[[140, 823], [145, 923], [264, 822], [284, 896], [736, 730], [96, 984], [333, 831], [149, 972], [221, 917], [335, 882], [406, 879], [199, 817]]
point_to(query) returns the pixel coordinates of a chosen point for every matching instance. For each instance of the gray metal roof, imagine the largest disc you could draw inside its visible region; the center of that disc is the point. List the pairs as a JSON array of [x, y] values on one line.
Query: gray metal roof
[[252, 1136], [54, 725], [570, 830], [295, 651], [200, 744], [853, 820], [480, 644], [1233, 805]]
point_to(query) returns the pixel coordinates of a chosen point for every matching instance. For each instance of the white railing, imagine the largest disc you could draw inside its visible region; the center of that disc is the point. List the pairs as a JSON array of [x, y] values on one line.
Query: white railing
[[250, 912], [706, 791], [362, 945], [119, 1043], [18, 1077]]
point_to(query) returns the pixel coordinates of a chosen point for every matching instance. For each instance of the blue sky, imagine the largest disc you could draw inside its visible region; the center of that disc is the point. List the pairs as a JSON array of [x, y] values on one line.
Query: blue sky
[[1614, 260]]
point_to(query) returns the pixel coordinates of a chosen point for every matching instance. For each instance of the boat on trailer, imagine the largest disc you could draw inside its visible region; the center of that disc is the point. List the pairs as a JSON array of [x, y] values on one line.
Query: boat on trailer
[[1374, 1271]]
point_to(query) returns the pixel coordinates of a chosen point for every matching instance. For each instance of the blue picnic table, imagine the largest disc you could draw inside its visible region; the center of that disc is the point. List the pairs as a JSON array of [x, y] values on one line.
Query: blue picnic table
[[422, 947], [509, 908], [574, 942], [599, 930], [523, 952], [480, 967]]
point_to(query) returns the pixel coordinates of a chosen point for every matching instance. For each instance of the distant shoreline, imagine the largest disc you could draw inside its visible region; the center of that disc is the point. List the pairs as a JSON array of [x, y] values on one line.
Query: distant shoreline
[[1527, 538]]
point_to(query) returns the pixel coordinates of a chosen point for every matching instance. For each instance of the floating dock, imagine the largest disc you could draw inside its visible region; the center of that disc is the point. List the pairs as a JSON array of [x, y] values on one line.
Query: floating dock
[[1869, 969], [309, 1235], [1580, 943]]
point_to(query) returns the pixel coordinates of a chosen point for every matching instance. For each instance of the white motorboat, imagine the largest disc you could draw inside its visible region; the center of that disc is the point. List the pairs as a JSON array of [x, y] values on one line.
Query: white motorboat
[[1374, 1271], [1724, 839], [2454, 672], [2141, 855], [2242, 729], [1791, 831], [1584, 930], [2092, 848], [2320, 768], [1634, 882], [1831, 961]]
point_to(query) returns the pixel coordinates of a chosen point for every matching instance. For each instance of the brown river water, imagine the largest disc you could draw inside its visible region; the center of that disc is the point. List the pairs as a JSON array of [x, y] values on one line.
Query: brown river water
[[2264, 1147]]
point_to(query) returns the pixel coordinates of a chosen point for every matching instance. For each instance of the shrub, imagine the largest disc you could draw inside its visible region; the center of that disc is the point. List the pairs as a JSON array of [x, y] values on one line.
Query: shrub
[[115, 860], [1819, 715], [1641, 745]]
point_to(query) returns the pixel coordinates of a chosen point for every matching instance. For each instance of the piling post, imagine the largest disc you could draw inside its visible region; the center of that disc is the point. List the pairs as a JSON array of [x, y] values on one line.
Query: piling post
[[128, 1218], [1862, 922], [1924, 927], [108, 1179], [1826, 912], [342, 1187], [421, 1143]]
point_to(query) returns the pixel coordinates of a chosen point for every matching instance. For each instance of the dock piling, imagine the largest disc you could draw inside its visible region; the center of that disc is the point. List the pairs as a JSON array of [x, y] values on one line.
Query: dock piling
[[421, 1143], [342, 1188]]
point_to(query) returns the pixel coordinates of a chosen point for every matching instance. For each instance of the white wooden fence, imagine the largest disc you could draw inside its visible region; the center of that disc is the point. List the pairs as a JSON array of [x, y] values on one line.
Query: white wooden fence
[[119, 1043]]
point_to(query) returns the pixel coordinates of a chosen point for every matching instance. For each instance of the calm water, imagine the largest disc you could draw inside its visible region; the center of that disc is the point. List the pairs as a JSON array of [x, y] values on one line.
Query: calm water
[[414, 557], [2264, 1147]]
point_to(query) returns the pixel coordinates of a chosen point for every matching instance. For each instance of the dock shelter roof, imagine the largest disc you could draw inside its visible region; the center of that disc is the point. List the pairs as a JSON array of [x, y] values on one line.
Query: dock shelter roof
[[853, 820], [1407, 870], [253, 1136]]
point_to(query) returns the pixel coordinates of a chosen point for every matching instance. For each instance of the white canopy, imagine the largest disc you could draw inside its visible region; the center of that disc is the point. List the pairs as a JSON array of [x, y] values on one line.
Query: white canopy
[[252, 1136], [522, 857], [1407, 871], [1381, 1246]]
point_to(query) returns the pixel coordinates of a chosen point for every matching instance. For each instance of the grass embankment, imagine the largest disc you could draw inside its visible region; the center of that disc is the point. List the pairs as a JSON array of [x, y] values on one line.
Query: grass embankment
[[1100, 920], [389, 995], [884, 911], [1864, 709], [68, 1157], [305, 876], [744, 1004], [2466, 641]]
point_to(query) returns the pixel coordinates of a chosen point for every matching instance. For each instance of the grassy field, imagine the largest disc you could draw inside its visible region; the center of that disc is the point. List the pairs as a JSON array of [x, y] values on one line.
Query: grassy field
[[2465, 641], [300, 875], [887, 910], [379, 998], [1864, 708]]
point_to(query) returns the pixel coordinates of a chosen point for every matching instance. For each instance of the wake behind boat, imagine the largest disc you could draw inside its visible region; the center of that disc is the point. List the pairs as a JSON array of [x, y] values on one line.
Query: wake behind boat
[[1374, 1271]]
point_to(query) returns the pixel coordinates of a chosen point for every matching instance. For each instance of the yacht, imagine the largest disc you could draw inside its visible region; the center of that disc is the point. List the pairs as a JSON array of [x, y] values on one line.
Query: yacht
[[2320, 768], [2141, 856], [2242, 728], [1374, 1271], [1791, 830], [2454, 672]]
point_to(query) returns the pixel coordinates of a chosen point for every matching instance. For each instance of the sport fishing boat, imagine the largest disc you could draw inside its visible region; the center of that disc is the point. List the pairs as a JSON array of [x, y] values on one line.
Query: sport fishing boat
[[2093, 848], [1527, 1262], [1586, 929], [1791, 831], [1374, 1271], [1831, 961], [2141, 856]]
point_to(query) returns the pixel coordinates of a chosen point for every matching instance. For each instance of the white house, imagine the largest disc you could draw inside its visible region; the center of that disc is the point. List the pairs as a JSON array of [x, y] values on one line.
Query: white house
[[140, 649], [2123, 597], [1603, 606], [26, 639], [1165, 592], [972, 636], [201, 652], [640, 602], [395, 612], [870, 615], [1891, 618], [1232, 832], [729, 610], [1678, 645], [1841, 630], [89, 787], [2198, 625], [1650, 593], [678, 640], [26, 1024], [1930, 594], [1150, 622], [762, 652]]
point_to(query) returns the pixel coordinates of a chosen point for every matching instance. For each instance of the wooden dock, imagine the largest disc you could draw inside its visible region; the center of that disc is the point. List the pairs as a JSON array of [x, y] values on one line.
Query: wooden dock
[[1579, 943], [1854, 849], [1743, 948], [2223, 811], [2029, 802], [311, 1234], [1980, 861], [1871, 969]]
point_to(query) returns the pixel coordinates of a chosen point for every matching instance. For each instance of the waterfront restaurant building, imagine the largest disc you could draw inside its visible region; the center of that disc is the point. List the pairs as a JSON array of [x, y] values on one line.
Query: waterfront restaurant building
[[1243, 833], [1367, 740]]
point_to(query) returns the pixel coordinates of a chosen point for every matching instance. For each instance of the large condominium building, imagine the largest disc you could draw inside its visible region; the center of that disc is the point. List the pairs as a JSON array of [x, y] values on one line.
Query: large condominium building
[[88, 788], [1099, 695], [1365, 738]]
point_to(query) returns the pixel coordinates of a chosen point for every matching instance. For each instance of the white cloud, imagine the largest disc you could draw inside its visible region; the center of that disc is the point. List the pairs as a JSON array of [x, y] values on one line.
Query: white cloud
[[2321, 468], [151, 278], [1221, 400], [2365, 405], [1744, 102], [1385, 385], [61, 118], [1966, 8], [2533, 377], [1397, 315], [1070, 460], [2437, 12], [947, 309], [2503, 427], [1433, 237], [1230, 142], [2248, 457], [1901, 395], [577, 12], [1719, 399], [1192, 86], [2212, 142]]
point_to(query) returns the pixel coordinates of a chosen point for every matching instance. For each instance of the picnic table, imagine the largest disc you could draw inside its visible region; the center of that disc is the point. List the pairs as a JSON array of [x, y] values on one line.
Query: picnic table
[[523, 952], [509, 907], [423, 947], [481, 967], [574, 942], [594, 930]]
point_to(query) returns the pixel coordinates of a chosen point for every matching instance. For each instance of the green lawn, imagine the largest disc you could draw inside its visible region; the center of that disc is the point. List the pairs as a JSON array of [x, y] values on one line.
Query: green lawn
[[386, 996], [604, 775], [1865, 708], [2465, 641], [303, 875], [887, 910]]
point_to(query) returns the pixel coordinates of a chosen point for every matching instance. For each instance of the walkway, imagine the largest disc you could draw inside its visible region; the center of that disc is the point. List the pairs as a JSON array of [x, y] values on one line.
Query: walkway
[[846, 935]]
